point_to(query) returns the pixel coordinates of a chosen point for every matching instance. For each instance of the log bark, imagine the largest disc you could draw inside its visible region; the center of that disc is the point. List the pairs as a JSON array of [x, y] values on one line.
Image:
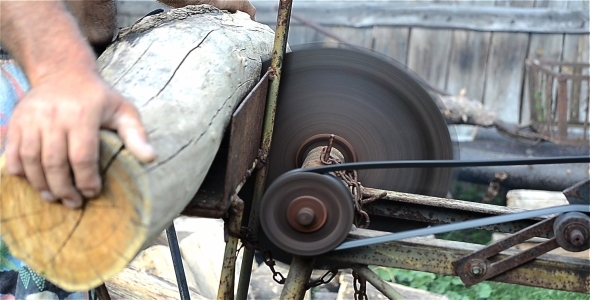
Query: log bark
[[186, 71]]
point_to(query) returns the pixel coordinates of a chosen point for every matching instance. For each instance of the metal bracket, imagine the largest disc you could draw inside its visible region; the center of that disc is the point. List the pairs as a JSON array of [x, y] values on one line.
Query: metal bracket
[[481, 265]]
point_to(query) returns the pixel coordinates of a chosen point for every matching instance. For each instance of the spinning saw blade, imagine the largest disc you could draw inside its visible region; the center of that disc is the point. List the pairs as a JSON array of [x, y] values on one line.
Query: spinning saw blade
[[376, 110]]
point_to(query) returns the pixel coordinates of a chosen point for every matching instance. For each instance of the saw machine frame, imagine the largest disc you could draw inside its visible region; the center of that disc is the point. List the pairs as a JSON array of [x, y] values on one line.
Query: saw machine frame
[[247, 155]]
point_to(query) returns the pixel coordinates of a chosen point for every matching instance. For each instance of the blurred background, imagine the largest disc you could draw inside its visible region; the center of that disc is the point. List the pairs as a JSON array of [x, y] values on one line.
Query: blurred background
[[478, 45]]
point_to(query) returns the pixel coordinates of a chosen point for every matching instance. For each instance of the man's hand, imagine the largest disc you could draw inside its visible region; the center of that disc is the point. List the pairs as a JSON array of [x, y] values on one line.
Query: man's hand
[[230, 5], [54, 129], [52, 137]]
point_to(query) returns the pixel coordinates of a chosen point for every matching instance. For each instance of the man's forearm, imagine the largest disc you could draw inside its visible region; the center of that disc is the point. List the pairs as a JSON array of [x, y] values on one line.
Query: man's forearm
[[43, 36]]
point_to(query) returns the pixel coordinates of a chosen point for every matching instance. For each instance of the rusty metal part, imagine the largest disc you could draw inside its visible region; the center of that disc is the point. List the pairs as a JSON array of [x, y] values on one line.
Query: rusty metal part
[[325, 278], [237, 166], [360, 286], [314, 157], [579, 193], [307, 214], [572, 231], [344, 148], [349, 178], [289, 188], [553, 116], [279, 49], [385, 288], [477, 267], [299, 274], [434, 210], [228, 270], [481, 265], [436, 256]]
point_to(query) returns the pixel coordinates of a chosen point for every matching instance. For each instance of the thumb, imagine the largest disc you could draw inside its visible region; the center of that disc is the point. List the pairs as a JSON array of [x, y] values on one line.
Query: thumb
[[127, 123], [248, 8]]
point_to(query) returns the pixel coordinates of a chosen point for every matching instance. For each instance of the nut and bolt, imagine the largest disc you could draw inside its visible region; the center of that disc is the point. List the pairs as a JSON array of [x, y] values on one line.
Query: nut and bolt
[[477, 268], [577, 237], [305, 216]]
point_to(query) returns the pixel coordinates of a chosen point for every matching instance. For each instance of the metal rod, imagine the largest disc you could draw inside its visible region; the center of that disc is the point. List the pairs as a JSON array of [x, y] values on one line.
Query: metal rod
[[177, 263], [385, 288], [228, 270], [562, 109], [462, 225], [280, 45], [436, 256], [299, 274], [102, 292]]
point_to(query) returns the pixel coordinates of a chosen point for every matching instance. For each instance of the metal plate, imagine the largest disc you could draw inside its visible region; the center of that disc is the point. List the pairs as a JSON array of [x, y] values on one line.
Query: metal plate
[[227, 172]]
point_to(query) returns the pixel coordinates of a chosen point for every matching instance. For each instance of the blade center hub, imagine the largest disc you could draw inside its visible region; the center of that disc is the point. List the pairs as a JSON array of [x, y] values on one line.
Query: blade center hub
[[307, 214]]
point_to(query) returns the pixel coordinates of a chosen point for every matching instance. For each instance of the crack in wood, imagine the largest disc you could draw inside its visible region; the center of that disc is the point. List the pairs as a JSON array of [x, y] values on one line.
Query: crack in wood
[[178, 67], [196, 139], [131, 67], [68, 237]]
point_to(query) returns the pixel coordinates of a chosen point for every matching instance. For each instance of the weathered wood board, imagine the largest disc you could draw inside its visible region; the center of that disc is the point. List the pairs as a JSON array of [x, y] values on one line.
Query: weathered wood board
[[541, 46], [576, 48], [300, 35], [505, 73], [186, 71], [354, 36], [392, 41], [514, 16], [428, 54], [469, 55]]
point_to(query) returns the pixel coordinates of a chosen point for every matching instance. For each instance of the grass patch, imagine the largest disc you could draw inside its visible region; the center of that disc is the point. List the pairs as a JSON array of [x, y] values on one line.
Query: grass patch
[[452, 287]]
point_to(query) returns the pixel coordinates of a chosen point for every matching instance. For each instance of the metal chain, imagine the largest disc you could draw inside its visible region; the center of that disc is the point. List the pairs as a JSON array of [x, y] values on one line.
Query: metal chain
[[349, 178], [360, 286], [251, 242], [324, 279]]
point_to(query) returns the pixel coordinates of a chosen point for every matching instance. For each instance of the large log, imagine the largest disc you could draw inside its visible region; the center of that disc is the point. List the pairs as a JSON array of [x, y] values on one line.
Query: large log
[[185, 70]]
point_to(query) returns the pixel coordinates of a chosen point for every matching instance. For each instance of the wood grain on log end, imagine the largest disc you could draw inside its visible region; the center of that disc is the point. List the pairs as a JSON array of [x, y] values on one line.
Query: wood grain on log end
[[78, 249]]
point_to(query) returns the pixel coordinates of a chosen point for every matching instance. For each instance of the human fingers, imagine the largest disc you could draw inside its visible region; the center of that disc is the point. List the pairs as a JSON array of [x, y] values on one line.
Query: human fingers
[[83, 153], [127, 123], [234, 5], [30, 154], [248, 8], [13, 162], [57, 169]]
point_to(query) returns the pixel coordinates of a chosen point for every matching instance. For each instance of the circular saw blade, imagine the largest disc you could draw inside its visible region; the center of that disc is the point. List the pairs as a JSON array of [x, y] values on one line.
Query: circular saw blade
[[372, 103]]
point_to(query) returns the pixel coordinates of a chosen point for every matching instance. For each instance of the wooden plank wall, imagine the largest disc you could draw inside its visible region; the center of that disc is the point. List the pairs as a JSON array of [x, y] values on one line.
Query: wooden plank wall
[[490, 65]]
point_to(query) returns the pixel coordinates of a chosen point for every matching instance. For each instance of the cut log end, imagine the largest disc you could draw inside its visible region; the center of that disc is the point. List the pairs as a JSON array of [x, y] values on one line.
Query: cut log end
[[76, 249]]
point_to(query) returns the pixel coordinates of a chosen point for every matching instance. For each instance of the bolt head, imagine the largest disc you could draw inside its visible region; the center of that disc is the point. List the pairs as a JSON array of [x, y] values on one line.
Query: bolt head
[[477, 268]]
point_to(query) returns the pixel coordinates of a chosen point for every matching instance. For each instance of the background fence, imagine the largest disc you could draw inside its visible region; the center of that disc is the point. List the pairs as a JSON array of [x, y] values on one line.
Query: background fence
[[480, 45]]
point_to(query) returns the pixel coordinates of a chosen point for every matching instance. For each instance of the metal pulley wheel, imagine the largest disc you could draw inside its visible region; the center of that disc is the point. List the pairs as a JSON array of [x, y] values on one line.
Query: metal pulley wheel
[[378, 111], [572, 231], [310, 214]]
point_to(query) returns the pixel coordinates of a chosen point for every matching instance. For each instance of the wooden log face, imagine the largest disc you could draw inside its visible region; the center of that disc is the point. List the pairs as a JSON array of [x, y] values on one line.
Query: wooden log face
[[186, 76], [77, 249], [186, 71]]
